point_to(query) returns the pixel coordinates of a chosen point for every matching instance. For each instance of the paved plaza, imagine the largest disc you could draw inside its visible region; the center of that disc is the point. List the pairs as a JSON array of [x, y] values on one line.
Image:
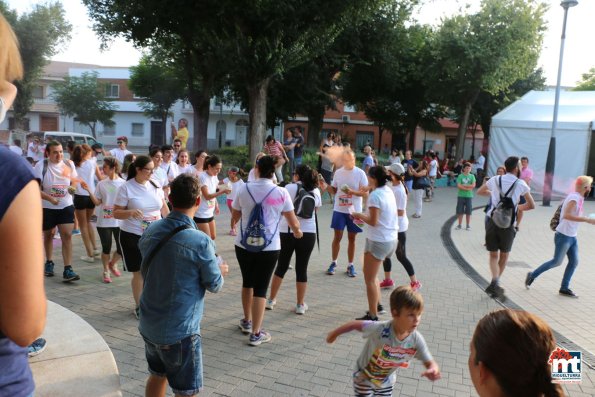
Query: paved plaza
[[298, 362]]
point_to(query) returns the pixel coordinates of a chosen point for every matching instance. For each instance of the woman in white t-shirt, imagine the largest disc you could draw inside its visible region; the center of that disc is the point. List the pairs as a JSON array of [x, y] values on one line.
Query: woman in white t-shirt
[[104, 198], [305, 178], [257, 267], [382, 234], [566, 243], [397, 173], [183, 164], [208, 208], [139, 202], [199, 163], [87, 170], [234, 182], [253, 174]]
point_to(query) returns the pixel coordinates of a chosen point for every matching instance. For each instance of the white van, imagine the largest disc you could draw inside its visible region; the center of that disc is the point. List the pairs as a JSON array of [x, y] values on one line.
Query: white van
[[64, 137]]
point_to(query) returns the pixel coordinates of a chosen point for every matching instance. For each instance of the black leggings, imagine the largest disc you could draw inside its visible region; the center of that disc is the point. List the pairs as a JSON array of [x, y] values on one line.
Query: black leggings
[[105, 235], [257, 269], [401, 256], [303, 248]]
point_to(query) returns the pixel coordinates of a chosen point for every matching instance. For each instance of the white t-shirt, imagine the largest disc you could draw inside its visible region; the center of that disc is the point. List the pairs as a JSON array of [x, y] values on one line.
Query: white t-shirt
[[234, 187], [160, 177], [387, 228], [306, 225], [119, 154], [16, 149], [481, 162], [401, 199], [567, 227], [433, 168], [187, 169], [355, 179], [106, 191], [252, 177], [146, 197], [56, 183], [276, 203], [206, 209], [520, 189], [172, 170], [87, 173]]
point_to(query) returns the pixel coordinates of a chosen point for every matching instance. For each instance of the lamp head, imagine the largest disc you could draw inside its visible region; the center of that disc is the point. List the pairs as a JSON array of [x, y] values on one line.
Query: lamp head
[[568, 3]]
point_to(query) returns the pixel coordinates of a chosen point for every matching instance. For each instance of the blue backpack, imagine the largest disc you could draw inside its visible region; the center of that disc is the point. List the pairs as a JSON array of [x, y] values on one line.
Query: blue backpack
[[254, 238]]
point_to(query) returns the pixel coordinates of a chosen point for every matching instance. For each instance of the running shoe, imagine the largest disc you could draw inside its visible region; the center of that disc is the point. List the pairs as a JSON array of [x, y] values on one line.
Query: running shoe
[[232, 232], [245, 326], [49, 269], [331, 269], [106, 278], [261, 337], [270, 305], [380, 309], [567, 292], [137, 312], [301, 309], [351, 271], [36, 347], [415, 285], [528, 280], [88, 259], [468, 228], [387, 283], [459, 227], [367, 317], [76, 232], [416, 216], [69, 275], [96, 253]]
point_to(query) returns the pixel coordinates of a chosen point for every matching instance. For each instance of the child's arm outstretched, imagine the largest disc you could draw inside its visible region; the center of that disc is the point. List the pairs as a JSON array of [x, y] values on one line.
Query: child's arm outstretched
[[347, 327], [432, 371]]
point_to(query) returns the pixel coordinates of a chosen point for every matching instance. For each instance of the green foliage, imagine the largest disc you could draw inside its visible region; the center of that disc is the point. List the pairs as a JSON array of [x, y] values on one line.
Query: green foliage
[[83, 98], [588, 81], [41, 33]]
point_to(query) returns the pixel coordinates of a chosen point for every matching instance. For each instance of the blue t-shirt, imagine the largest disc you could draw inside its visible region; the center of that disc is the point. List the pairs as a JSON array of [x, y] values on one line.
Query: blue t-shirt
[[15, 375], [368, 161], [299, 147]]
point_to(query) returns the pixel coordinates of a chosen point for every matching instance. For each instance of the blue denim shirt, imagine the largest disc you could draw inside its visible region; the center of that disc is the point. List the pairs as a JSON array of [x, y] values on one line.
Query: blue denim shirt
[[172, 300]]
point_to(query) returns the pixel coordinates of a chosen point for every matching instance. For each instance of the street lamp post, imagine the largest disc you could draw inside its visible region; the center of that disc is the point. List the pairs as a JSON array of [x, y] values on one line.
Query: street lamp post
[[550, 163]]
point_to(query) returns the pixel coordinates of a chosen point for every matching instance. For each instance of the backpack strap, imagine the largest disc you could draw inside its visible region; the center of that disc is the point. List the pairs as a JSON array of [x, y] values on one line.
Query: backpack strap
[[509, 189], [252, 197], [149, 258]]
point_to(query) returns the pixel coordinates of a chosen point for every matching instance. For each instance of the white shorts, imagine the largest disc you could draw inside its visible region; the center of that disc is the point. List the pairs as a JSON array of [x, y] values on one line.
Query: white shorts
[[380, 249]]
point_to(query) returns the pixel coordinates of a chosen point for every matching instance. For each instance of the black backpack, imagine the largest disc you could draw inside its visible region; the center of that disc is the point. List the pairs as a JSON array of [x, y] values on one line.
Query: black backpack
[[504, 213], [304, 204]]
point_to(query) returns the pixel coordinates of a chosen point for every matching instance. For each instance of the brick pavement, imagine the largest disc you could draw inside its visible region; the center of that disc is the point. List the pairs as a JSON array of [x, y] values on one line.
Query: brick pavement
[[298, 362]]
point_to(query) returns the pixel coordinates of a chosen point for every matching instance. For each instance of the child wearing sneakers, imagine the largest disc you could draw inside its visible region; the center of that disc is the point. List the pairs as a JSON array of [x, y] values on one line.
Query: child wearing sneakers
[[390, 345], [466, 184]]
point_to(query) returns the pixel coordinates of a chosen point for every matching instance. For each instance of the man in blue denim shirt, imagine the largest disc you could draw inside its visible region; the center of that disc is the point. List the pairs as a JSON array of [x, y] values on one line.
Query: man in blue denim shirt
[[171, 303]]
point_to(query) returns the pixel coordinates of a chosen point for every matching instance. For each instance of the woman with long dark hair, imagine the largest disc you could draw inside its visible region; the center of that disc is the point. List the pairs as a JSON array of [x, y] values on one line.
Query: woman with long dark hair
[[305, 178], [205, 215], [138, 202], [257, 263], [420, 177]]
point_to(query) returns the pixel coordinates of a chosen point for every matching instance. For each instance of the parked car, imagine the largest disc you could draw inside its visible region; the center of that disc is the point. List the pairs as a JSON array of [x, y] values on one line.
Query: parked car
[[64, 137]]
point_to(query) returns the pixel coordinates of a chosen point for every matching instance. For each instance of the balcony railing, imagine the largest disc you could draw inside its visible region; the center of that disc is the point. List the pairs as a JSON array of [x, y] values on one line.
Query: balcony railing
[[44, 101]]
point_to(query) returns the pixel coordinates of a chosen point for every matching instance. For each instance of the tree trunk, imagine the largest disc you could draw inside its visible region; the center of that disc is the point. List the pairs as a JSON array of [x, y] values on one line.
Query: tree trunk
[[201, 104], [315, 120], [164, 126], [412, 127], [257, 110], [462, 132]]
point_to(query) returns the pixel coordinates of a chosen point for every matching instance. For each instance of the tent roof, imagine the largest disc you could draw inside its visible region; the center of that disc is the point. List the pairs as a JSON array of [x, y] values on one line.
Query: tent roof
[[536, 110]]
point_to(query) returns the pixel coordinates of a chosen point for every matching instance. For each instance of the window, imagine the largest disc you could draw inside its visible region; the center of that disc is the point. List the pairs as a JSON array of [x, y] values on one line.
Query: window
[[363, 138], [109, 130], [138, 129], [38, 92], [112, 91], [349, 108]]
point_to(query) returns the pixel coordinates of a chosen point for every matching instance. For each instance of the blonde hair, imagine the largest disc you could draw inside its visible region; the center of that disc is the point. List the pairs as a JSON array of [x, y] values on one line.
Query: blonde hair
[[11, 66], [584, 180]]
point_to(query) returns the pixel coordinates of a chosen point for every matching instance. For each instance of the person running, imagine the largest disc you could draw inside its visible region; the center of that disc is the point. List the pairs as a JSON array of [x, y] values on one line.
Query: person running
[[183, 165], [159, 175], [56, 176], [466, 184], [205, 214], [389, 345], [565, 241], [168, 165], [87, 170], [499, 240], [382, 234], [120, 152], [349, 186], [233, 182], [199, 162], [506, 333], [304, 178], [108, 226], [257, 267], [397, 173], [128, 159], [419, 174], [138, 203], [527, 176]]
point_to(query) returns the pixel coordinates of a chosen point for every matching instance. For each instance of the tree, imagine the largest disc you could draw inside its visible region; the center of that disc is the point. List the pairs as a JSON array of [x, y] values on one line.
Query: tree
[[41, 33], [158, 85], [83, 98], [486, 51], [588, 81]]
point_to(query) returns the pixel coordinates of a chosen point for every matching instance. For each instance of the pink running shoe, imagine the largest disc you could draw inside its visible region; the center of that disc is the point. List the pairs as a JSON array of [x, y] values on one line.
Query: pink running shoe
[[106, 278], [415, 285], [112, 268], [387, 283], [232, 232]]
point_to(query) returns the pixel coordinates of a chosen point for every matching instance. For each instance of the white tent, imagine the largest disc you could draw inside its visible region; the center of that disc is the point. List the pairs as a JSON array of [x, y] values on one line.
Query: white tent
[[524, 129]]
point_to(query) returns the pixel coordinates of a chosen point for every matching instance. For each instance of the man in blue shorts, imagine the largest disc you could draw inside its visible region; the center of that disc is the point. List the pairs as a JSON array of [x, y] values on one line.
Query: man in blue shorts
[[349, 185]]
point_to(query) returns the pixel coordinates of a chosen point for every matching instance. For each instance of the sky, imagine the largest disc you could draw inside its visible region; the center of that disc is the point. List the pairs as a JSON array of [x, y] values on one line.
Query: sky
[[579, 53]]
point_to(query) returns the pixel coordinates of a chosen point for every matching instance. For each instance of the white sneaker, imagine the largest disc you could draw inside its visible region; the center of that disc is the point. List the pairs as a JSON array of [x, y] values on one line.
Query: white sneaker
[[301, 309], [89, 259], [96, 253], [270, 305]]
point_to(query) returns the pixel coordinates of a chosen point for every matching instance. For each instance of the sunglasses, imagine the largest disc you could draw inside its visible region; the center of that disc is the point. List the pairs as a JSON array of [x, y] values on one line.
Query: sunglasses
[[119, 142]]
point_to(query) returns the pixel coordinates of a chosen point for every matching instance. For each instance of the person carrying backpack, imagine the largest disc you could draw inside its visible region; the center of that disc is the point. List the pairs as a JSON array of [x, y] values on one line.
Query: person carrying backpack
[[306, 200], [259, 206], [505, 192]]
